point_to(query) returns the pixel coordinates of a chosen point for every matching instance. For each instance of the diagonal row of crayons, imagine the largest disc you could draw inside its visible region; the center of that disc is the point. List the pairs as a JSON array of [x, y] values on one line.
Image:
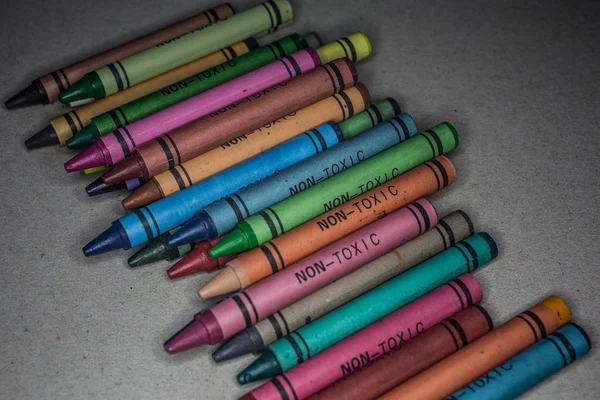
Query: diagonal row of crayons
[[272, 163]]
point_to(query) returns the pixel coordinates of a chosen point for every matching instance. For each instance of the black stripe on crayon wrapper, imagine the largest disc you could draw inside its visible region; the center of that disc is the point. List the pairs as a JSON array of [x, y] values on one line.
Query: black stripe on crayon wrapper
[[158, 232], [535, 335], [115, 119], [537, 321], [232, 50], [354, 58], [309, 136], [439, 231], [321, 140], [285, 323], [270, 17], [249, 300], [408, 207], [308, 355], [116, 76], [235, 208], [186, 174], [438, 141], [71, 123], [280, 49], [442, 171], [129, 136], [243, 203], [424, 214], [166, 151], [434, 155], [278, 254], [278, 219], [270, 47], [560, 351], [335, 97], [567, 344], [170, 139], [243, 310], [402, 124], [486, 315], [277, 14], [58, 81], [122, 142], [276, 326], [124, 73], [123, 115], [287, 68], [285, 378], [349, 103], [270, 259], [295, 347], [339, 76], [428, 165], [278, 385], [269, 222], [78, 120], [462, 303], [467, 260], [369, 111], [469, 222], [377, 113], [144, 222], [64, 76], [343, 48], [452, 335], [295, 65], [335, 89], [449, 231], [473, 254], [465, 290], [214, 15], [208, 17], [398, 133], [460, 330], [177, 176]]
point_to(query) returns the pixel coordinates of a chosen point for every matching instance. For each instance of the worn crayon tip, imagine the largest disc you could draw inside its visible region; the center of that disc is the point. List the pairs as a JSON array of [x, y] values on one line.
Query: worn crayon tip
[[98, 187], [84, 138], [197, 229], [88, 158], [153, 252], [195, 261], [239, 345], [559, 308], [45, 137], [32, 95], [78, 91], [265, 366], [192, 335], [108, 240], [127, 169], [148, 193], [235, 242], [226, 282]]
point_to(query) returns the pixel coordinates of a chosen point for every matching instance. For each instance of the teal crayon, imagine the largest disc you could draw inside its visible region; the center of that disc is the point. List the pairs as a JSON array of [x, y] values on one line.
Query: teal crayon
[[465, 257]]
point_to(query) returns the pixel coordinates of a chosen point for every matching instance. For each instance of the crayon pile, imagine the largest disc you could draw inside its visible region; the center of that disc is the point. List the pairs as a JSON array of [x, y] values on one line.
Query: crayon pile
[[271, 163]]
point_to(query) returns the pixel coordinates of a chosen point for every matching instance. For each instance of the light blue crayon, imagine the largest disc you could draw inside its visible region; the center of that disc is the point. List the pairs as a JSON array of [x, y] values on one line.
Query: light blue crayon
[[163, 215], [222, 216], [528, 368]]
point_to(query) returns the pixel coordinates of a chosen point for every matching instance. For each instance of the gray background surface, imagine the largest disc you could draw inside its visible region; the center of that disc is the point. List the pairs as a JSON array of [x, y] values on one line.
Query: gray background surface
[[519, 79]]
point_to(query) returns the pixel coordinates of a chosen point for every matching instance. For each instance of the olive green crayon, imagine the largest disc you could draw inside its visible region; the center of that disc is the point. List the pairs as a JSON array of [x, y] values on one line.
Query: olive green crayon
[[158, 250]]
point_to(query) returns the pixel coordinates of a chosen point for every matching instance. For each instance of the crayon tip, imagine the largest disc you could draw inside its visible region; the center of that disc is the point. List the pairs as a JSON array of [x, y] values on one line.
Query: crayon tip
[[146, 194], [84, 138], [108, 240], [32, 95], [78, 91], [152, 252], [252, 43], [45, 137], [265, 366], [99, 187], [127, 169], [235, 242], [88, 158], [225, 282], [192, 335], [559, 308], [239, 345], [247, 396], [199, 228], [195, 261]]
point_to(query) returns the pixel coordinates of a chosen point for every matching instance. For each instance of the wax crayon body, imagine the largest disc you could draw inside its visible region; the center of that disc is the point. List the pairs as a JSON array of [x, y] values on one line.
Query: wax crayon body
[[530, 367], [233, 121], [315, 337], [367, 345], [450, 230], [170, 212], [462, 367], [158, 249], [223, 215], [45, 89], [234, 64], [198, 260], [314, 272], [115, 146], [335, 108], [412, 357], [339, 189], [173, 53]]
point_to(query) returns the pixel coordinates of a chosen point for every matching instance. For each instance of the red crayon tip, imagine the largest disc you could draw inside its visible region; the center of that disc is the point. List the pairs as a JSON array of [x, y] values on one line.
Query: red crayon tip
[[192, 335], [198, 260], [88, 158], [129, 168]]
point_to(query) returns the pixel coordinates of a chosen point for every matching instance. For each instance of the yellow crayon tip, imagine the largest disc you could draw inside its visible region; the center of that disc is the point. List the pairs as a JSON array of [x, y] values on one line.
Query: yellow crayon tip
[[559, 308]]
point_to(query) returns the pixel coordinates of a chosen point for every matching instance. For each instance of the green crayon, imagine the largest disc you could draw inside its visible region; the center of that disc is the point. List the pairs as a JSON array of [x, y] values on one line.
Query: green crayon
[[163, 57], [157, 250], [337, 189], [191, 86]]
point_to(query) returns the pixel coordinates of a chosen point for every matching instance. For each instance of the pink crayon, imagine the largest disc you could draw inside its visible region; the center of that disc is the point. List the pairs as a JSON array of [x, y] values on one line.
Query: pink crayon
[[296, 281], [114, 147], [367, 345]]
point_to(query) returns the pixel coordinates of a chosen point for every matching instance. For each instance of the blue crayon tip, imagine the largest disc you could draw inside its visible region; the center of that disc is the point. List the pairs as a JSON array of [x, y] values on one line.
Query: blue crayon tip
[[108, 240], [200, 227]]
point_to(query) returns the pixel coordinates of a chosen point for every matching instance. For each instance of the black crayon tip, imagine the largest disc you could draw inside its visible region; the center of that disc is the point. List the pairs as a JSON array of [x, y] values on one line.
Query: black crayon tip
[[32, 95], [245, 342], [99, 187], [45, 137]]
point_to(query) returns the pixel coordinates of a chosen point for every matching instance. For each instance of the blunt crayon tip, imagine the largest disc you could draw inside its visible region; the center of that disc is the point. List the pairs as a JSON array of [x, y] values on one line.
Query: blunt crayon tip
[[146, 194], [78, 91], [251, 43], [32, 95], [88, 158], [491, 242], [225, 282], [45, 137], [108, 240], [239, 345], [235, 242], [584, 334], [99, 187], [84, 138], [129, 168], [152, 252], [265, 366], [195, 261], [201, 227], [559, 308], [192, 335]]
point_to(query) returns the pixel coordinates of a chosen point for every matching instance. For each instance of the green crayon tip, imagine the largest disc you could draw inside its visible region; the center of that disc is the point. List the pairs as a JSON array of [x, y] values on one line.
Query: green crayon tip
[[235, 242], [265, 366], [90, 86], [154, 251], [84, 138]]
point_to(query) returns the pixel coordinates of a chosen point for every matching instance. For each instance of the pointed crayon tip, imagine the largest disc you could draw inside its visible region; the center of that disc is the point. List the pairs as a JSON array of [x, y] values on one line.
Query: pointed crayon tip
[[108, 240], [192, 335], [146, 194], [265, 366], [80, 90], [195, 261], [225, 282], [98, 187], [32, 95], [45, 137], [152, 252], [129, 168], [239, 345], [88, 158], [84, 138], [235, 242], [197, 229]]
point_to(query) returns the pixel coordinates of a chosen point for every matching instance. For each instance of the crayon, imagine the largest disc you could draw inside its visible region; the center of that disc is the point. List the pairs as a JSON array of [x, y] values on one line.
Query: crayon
[[45, 89], [192, 79], [530, 367], [170, 212], [450, 229], [335, 108], [365, 346], [221, 217], [99, 187], [114, 147], [252, 112], [157, 250], [95, 170], [299, 280], [338, 189], [411, 358], [62, 128], [198, 260], [187, 143], [485, 353], [311, 339], [163, 57]]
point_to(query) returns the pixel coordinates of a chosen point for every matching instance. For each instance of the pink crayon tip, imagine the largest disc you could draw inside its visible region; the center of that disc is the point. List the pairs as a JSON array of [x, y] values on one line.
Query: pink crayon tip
[[88, 158], [192, 335]]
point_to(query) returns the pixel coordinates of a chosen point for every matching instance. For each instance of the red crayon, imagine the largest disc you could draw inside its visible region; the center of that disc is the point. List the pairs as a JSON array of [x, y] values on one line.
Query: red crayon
[[198, 260]]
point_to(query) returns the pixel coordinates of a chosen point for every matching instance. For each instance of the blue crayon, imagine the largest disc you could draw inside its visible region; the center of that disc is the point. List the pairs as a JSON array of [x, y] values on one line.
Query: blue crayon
[[222, 216], [528, 368], [161, 216]]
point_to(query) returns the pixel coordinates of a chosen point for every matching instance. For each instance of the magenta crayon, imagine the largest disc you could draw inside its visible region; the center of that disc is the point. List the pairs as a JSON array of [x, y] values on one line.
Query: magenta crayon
[[305, 276], [114, 147], [365, 346]]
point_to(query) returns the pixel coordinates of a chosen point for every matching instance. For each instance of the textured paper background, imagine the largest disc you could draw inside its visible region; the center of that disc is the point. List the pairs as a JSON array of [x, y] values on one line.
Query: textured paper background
[[519, 79]]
